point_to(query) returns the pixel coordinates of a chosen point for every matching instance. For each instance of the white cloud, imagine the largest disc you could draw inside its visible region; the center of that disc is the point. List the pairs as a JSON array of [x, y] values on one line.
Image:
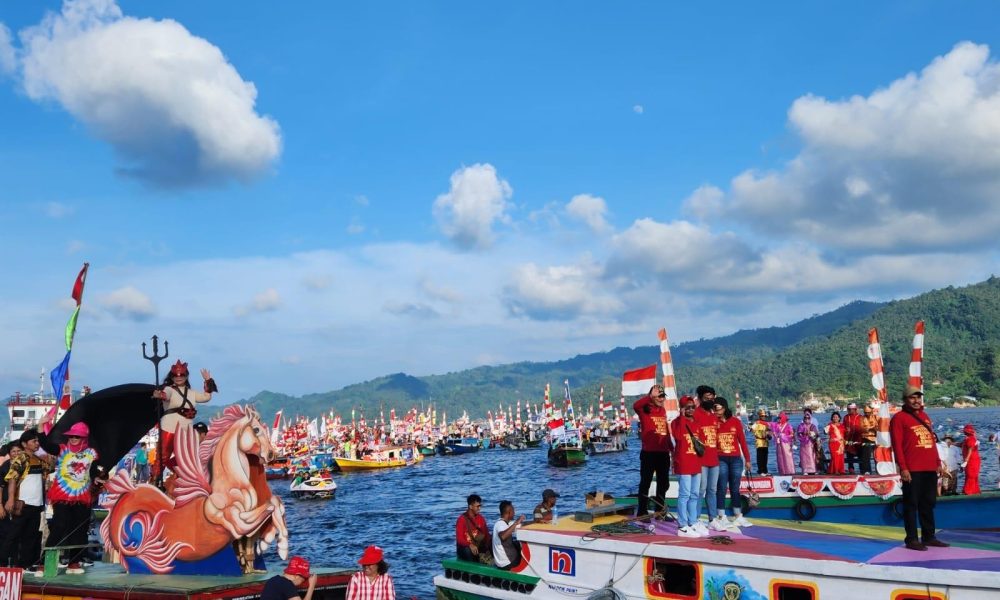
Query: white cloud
[[355, 227], [58, 210], [638, 109], [75, 246], [410, 309], [267, 301], [591, 210], [911, 168], [176, 111], [129, 303], [361, 200], [317, 282], [440, 292], [478, 198], [558, 292], [8, 60]]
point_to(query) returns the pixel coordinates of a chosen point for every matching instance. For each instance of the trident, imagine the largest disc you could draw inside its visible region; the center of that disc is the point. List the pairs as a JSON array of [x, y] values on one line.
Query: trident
[[155, 359]]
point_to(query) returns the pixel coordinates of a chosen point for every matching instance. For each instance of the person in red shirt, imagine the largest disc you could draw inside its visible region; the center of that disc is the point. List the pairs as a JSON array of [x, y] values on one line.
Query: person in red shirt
[[914, 446], [734, 457], [708, 432], [656, 446], [853, 437], [970, 460], [687, 467], [471, 533]]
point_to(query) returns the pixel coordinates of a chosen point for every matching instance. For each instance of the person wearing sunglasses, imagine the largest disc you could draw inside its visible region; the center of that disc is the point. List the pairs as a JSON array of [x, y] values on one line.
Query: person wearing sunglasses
[[656, 447]]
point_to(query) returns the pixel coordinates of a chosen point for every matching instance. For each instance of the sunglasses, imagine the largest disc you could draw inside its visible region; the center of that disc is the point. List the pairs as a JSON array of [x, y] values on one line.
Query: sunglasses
[[662, 396]]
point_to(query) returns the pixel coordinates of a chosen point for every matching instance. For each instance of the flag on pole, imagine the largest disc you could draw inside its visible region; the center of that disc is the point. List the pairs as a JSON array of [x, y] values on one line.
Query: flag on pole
[[569, 402], [884, 463], [60, 375], [875, 364], [638, 382]]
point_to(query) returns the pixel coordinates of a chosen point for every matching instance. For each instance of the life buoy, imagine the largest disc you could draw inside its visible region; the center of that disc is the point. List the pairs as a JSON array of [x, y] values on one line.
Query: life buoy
[[805, 510], [897, 507]]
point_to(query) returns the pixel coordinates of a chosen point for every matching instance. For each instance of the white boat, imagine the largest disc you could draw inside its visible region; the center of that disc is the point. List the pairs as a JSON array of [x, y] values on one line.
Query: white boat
[[314, 487], [612, 558]]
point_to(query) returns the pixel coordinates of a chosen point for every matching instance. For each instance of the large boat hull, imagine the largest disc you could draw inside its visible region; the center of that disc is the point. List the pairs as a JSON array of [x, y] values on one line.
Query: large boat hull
[[567, 457]]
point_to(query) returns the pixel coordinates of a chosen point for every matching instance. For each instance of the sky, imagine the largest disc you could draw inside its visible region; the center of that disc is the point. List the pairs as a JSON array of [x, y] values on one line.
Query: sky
[[302, 198]]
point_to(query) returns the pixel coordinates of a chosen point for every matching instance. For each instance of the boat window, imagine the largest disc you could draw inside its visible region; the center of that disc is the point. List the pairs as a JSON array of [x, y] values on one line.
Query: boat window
[[31, 414], [17, 413], [672, 579], [785, 590]]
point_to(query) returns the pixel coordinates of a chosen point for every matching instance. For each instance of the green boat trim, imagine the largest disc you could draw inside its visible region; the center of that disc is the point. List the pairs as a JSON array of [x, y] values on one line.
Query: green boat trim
[[485, 575]]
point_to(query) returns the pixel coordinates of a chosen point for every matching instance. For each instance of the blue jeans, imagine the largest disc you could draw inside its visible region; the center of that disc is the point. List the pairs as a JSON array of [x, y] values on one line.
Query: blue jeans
[[730, 474], [709, 482], [687, 499]]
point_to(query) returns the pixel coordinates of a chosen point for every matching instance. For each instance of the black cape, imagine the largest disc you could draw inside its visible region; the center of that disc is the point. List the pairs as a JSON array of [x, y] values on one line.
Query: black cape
[[118, 417]]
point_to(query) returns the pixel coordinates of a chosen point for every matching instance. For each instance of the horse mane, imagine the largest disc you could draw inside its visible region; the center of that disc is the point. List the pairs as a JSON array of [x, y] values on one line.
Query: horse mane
[[220, 425]]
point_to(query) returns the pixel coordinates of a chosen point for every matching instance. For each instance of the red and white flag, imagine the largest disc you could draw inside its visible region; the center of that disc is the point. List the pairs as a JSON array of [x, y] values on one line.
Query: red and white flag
[[638, 382], [672, 404], [917, 357]]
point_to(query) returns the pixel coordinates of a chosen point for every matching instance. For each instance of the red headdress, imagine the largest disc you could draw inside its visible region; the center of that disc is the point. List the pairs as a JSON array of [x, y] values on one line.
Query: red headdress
[[179, 369]]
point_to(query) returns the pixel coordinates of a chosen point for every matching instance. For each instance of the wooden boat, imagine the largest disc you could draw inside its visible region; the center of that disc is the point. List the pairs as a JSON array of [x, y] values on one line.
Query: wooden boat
[[277, 468], [386, 458], [611, 557], [605, 445], [427, 451], [565, 450], [455, 445]]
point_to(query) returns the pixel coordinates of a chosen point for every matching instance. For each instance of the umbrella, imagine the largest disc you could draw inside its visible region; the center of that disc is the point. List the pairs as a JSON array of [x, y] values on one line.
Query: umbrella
[[118, 417]]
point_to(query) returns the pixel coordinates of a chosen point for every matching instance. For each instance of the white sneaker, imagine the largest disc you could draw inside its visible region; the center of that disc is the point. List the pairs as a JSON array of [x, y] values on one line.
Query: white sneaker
[[688, 532], [719, 524], [739, 521], [701, 529]]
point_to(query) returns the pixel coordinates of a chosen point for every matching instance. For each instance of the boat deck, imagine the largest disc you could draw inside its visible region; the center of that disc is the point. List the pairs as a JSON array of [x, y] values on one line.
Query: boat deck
[[108, 581], [976, 550]]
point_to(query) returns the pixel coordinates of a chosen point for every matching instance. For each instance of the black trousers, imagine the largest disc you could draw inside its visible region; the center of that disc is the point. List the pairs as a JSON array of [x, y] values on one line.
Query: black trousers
[[919, 498], [69, 527], [865, 455], [651, 461], [24, 541], [762, 460]]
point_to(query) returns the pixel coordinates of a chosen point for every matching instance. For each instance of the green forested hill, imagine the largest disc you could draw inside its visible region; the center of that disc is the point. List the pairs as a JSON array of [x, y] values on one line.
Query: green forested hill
[[823, 355]]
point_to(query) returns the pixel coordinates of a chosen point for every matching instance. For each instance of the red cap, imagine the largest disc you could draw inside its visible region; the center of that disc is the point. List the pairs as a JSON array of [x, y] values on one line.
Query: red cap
[[372, 556], [685, 400], [298, 566], [969, 429], [178, 369]]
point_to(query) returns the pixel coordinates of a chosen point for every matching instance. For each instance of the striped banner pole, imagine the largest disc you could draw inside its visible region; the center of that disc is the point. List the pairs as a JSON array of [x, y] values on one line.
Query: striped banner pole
[[669, 381]]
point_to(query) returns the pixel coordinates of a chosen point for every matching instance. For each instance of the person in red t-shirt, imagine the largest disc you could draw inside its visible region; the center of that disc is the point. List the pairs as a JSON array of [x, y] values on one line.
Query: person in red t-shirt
[[914, 446], [708, 432], [734, 457], [471, 534], [970, 460], [687, 466], [656, 446]]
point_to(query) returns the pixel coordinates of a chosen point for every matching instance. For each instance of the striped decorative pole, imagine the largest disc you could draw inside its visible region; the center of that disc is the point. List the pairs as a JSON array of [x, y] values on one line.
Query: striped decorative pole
[[669, 381], [884, 465], [917, 357]]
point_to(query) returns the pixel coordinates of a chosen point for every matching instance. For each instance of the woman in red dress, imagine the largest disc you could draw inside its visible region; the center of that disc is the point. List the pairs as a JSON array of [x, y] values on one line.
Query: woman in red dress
[[970, 460], [835, 431]]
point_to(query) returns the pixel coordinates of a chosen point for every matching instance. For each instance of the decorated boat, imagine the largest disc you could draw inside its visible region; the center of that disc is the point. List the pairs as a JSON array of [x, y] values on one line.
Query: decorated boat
[[278, 468], [565, 450], [386, 458], [458, 445], [318, 486], [606, 444], [612, 557]]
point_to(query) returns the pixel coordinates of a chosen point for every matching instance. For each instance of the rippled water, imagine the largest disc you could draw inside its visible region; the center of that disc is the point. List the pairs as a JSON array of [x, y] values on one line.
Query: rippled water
[[411, 512]]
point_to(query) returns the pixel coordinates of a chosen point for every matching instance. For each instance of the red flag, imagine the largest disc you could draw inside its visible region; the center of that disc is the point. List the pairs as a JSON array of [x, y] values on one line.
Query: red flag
[[78, 286], [638, 382]]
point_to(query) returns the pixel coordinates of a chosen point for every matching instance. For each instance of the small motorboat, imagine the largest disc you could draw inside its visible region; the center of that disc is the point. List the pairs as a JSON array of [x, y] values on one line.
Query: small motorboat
[[315, 486]]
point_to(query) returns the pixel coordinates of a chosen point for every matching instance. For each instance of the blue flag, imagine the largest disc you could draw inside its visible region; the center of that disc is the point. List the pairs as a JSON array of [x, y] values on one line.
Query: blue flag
[[58, 376]]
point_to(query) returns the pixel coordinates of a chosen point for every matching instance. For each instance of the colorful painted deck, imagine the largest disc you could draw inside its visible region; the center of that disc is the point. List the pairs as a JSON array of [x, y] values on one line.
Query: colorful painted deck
[[111, 582], [774, 559]]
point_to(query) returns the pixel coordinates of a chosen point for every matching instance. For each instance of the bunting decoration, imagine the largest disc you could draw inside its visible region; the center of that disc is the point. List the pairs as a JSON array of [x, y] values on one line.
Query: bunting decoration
[[884, 464], [60, 375], [671, 404]]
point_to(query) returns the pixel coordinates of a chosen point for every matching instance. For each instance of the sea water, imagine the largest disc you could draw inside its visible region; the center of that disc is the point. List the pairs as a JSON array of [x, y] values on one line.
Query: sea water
[[411, 512]]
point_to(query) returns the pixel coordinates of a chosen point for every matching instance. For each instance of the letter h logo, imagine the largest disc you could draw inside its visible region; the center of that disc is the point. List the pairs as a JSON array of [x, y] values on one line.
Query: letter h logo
[[562, 561]]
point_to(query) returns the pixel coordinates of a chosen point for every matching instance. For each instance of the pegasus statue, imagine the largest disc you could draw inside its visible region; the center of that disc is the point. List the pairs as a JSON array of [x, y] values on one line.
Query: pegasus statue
[[220, 514]]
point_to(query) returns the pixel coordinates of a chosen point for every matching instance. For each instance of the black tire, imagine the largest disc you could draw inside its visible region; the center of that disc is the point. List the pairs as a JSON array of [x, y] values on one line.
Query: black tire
[[897, 507], [805, 510]]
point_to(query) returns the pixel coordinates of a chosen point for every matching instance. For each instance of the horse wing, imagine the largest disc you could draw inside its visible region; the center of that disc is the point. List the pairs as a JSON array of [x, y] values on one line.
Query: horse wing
[[192, 478]]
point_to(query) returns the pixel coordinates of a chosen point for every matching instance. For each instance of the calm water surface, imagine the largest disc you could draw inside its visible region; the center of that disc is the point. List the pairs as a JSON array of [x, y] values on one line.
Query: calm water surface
[[411, 511]]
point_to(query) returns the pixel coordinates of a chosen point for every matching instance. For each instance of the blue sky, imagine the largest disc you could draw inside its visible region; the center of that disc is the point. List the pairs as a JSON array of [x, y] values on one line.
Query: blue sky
[[300, 200]]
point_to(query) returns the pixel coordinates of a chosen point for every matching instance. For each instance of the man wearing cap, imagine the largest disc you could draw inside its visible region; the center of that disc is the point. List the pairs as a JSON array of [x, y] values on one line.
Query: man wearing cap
[[285, 586], [656, 446], [26, 503], [869, 430], [545, 511], [914, 447], [762, 439]]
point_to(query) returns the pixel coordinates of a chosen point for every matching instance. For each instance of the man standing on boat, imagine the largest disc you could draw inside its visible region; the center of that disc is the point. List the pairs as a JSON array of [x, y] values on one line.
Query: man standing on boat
[[853, 436], [869, 429], [707, 431], [656, 446], [913, 445]]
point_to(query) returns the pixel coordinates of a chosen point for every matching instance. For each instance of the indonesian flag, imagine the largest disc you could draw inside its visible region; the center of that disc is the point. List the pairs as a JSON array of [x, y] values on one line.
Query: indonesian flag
[[638, 382]]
